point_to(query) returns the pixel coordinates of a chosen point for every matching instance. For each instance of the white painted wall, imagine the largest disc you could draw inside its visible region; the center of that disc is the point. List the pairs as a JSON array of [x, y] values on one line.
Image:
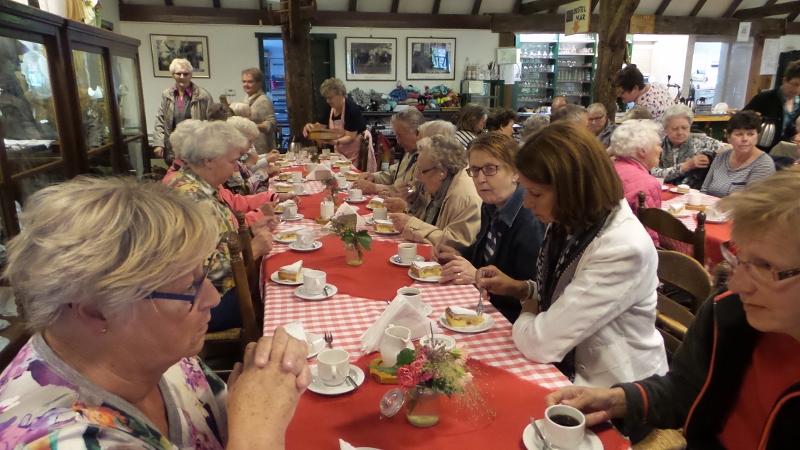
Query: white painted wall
[[790, 43], [233, 48], [668, 56]]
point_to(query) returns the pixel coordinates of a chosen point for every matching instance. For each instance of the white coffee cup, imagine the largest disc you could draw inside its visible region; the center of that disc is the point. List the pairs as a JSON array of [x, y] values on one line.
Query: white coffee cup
[[341, 181], [380, 214], [355, 194], [334, 158], [694, 198], [326, 152], [305, 238], [297, 187], [333, 366], [407, 252], [289, 211], [326, 210], [313, 282], [412, 295], [562, 436], [297, 176]]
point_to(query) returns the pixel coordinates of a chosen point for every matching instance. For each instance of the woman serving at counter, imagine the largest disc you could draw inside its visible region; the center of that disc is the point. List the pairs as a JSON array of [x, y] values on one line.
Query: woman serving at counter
[[345, 117]]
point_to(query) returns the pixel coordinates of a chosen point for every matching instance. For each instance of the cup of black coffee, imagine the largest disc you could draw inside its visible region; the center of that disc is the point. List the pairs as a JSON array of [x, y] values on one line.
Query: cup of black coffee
[[564, 426]]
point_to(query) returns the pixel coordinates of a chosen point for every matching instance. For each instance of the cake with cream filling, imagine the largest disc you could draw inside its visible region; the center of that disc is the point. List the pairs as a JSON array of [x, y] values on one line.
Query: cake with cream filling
[[425, 269], [376, 202], [288, 235], [351, 176], [676, 208], [283, 187], [383, 226], [291, 272], [684, 188], [461, 317]]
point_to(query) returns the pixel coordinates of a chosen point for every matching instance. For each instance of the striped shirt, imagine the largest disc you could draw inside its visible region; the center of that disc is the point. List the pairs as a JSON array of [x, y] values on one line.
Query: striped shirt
[[722, 180], [465, 137]]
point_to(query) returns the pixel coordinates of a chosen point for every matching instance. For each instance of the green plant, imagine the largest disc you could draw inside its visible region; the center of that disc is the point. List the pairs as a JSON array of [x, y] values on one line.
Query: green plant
[[444, 371], [345, 227]]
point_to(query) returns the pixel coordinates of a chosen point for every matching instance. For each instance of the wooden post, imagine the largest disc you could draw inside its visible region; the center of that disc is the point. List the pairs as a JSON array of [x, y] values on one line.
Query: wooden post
[[615, 15], [507, 40], [297, 57], [755, 68]]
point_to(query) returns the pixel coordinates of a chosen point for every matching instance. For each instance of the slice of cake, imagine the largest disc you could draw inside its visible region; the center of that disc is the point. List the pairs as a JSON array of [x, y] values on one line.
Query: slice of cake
[[383, 226], [462, 317], [283, 187], [684, 188], [288, 235], [351, 176], [676, 208], [425, 269], [285, 176], [291, 272], [376, 202]]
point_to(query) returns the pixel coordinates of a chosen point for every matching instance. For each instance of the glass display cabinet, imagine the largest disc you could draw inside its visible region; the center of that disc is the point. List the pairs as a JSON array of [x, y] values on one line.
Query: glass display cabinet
[[70, 103]]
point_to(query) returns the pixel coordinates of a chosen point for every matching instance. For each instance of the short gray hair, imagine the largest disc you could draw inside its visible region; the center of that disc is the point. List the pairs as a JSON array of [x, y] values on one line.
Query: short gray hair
[[143, 235], [247, 127], [446, 152], [633, 135], [637, 113], [568, 113], [182, 134], [677, 112], [532, 124], [240, 109], [435, 127], [597, 108], [211, 140], [411, 117], [333, 86], [177, 63]]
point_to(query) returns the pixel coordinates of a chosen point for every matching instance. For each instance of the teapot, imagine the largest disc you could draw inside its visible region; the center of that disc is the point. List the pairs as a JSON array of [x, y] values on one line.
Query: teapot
[[395, 339]]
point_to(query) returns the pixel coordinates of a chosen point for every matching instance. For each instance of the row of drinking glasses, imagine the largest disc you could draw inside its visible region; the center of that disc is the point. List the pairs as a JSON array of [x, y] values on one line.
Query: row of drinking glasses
[[536, 84], [572, 93], [535, 98], [573, 49], [537, 51], [575, 75], [539, 67]]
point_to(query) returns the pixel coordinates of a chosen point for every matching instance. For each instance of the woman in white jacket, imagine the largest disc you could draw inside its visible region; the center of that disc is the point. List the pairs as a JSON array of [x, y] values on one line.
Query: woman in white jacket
[[591, 311]]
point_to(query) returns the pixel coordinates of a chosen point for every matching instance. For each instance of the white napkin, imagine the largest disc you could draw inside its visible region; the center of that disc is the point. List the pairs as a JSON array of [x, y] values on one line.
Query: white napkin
[[398, 313], [294, 267], [295, 330], [345, 209], [319, 173], [345, 446]]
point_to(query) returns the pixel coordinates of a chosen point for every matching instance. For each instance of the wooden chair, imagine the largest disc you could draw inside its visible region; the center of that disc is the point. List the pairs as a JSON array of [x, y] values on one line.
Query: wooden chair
[[247, 254], [683, 272], [363, 152], [668, 226]]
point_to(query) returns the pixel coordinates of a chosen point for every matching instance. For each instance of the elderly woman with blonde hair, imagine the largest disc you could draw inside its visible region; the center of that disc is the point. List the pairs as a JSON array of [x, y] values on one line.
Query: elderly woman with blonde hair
[[451, 215], [184, 100], [636, 144], [344, 116], [118, 312]]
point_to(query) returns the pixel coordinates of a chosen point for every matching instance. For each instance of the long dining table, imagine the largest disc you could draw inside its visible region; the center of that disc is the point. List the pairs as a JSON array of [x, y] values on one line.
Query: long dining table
[[512, 387]]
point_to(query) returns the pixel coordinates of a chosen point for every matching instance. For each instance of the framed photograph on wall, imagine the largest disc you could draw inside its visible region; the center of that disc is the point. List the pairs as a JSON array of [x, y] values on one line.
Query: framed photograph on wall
[[373, 59], [431, 58], [165, 48]]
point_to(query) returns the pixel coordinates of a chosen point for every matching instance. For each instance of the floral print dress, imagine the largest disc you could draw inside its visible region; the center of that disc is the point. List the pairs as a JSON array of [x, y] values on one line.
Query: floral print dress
[[46, 405]]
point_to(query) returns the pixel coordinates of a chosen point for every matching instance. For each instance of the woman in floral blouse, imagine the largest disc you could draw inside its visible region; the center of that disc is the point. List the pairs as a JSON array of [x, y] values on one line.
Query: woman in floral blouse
[[118, 310], [631, 87]]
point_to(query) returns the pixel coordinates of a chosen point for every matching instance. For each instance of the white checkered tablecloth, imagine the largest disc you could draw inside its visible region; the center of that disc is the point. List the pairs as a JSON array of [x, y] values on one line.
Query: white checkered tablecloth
[[688, 220]]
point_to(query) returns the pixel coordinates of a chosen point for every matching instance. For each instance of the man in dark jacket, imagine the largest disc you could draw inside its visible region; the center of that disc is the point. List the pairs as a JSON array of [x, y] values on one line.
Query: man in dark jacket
[[780, 106]]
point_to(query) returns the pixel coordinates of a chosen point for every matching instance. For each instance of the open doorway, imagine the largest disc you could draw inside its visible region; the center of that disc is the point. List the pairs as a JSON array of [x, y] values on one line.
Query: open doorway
[[272, 63]]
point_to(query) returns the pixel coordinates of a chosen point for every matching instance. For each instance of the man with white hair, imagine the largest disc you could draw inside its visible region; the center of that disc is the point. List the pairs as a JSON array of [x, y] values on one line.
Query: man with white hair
[[600, 124], [183, 101]]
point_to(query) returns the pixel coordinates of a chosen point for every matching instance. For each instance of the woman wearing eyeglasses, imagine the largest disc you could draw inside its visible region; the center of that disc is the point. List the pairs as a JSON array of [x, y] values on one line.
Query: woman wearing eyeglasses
[[451, 212], [118, 312], [735, 380], [509, 236], [185, 100]]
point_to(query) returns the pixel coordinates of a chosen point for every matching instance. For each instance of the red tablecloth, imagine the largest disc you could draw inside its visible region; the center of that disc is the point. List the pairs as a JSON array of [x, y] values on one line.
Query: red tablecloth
[[376, 279], [716, 233], [319, 421]]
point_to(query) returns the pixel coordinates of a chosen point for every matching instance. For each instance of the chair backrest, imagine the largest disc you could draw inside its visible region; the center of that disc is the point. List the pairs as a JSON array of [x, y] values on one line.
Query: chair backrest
[[672, 321], [247, 252], [668, 226], [363, 152], [252, 326], [685, 273]]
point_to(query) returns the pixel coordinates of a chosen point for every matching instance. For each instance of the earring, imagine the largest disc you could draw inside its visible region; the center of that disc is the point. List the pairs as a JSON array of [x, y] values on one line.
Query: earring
[[104, 330]]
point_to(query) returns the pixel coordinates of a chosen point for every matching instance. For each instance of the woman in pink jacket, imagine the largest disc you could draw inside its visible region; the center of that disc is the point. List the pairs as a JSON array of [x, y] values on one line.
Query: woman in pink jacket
[[637, 145]]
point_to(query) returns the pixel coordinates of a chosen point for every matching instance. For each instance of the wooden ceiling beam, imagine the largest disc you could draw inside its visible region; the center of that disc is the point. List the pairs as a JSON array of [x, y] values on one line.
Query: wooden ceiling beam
[[791, 17], [697, 7], [662, 7], [395, 5], [770, 2], [766, 11], [436, 5], [168, 2], [793, 27], [541, 5], [732, 9], [216, 3], [517, 5], [353, 6], [476, 7]]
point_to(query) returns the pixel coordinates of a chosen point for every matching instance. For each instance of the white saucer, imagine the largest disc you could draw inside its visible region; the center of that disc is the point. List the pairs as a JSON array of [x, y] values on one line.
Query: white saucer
[[448, 341], [396, 260], [717, 220], [488, 322], [315, 344], [532, 441], [350, 200], [295, 246], [319, 387], [274, 277], [664, 187], [332, 290], [427, 309], [388, 233], [433, 279], [674, 190], [297, 217]]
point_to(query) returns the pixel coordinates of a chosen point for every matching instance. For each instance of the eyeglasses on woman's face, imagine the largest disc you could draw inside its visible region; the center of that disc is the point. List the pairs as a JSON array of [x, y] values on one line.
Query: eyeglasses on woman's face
[[195, 289], [423, 172], [762, 270], [489, 170]]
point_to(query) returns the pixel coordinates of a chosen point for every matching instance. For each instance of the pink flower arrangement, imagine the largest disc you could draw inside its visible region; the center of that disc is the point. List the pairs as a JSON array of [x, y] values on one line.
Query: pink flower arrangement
[[442, 370]]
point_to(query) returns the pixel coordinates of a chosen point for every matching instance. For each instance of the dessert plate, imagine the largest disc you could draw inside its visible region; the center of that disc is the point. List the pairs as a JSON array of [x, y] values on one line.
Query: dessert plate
[[296, 247], [283, 241], [300, 292], [321, 388], [274, 277], [353, 200], [433, 279], [488, 322], [297, 217], [674, 190], [664, 187], [396, 260], [315, 344], [532, 441], [439, 339]]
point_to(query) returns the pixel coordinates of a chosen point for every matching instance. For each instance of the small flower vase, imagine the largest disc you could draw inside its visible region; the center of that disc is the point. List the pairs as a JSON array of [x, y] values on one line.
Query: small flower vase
[[335, 199], [353, 254], [422, 406]]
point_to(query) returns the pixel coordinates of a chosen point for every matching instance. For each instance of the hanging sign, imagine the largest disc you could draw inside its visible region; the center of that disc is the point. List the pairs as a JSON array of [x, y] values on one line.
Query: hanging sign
[[642, 24], [577, 17]]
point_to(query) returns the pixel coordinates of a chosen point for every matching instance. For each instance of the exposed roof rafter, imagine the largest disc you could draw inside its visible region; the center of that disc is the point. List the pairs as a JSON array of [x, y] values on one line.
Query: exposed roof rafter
[[436, 5], [766, 11], [353, 5], [476, 7], [541, 5], [395, 5], [662, 7], [731, 9]]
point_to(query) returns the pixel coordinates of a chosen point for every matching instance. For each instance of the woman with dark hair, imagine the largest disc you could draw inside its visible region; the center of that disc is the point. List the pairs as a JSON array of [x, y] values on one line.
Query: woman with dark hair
[[502, 120], [734, 169], [592, 308], [471, 120], [631, 87]]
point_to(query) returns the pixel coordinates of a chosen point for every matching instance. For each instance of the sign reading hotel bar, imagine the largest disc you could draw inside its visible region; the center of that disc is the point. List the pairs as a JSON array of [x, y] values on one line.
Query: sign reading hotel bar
[[577, 17]]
